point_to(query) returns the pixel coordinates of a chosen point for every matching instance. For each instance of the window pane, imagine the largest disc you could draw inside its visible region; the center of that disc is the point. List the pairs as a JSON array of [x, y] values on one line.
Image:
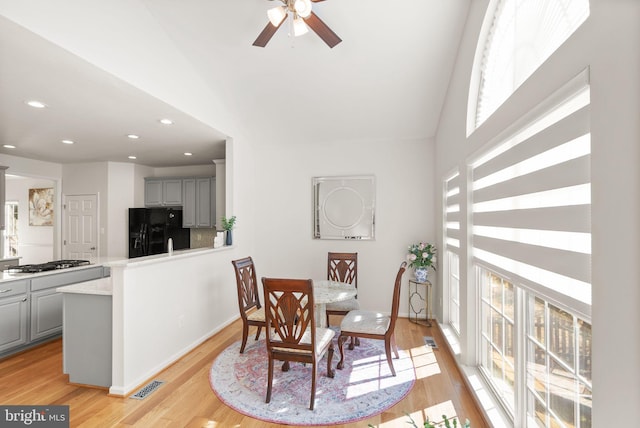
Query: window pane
[[509, 302], [496, 329], [536, 410], [561, 335], [585, 408], [562, 392], [486, 319], [584, 352], [496, 292], [537, 371]]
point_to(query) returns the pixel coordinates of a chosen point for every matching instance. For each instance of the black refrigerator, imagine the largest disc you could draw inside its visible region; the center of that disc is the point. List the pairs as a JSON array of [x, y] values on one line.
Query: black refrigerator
[[151, 228]]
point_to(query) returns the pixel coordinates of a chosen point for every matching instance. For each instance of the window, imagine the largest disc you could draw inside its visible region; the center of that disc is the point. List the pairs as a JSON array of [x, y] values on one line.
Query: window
[[521, 35], [531, 233], [497, 339], [558, 366], [11, 229], [452, 247]]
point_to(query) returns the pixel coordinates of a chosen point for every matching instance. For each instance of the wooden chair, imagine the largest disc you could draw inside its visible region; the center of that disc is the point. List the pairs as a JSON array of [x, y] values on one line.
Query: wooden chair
[[342, 267], [251, 311], [374, 325], [291, 328]]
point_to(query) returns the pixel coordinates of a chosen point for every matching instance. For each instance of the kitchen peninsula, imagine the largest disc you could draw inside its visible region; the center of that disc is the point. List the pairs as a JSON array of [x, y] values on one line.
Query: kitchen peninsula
[[163, 306]]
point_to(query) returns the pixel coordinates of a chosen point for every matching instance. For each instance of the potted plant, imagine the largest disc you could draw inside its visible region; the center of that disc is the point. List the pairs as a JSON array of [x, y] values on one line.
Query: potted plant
[[447, 424], [227, 225], [421, 257]]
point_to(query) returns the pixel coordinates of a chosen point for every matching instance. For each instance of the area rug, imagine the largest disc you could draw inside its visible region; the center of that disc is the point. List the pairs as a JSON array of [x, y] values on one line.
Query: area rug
[[364, 388]]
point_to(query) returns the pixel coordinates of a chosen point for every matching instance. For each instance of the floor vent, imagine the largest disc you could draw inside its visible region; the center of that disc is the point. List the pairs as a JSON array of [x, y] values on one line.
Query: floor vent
[[428, 341], [146, 390]]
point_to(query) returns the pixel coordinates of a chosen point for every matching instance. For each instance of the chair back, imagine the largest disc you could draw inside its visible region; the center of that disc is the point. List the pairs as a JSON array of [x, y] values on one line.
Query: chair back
[[395, 306], [289, 314], [248, 296], [343, 267]]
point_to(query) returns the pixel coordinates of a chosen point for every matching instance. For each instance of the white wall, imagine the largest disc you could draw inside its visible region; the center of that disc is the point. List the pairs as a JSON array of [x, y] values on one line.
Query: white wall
[[608, 44], [120, 197], [35, 243], [282, 206]]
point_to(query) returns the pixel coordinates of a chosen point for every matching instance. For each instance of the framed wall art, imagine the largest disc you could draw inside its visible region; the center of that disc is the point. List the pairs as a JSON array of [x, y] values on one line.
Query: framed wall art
[[344, 207], [41, 207]]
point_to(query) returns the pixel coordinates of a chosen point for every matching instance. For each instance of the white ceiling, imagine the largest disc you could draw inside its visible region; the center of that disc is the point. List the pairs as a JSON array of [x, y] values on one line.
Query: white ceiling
[[386, 80]]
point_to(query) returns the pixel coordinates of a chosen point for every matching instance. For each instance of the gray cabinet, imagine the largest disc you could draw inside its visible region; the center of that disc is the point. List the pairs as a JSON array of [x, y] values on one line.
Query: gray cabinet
[[46, 313], [13, 314], [162, 192], [31, 310], [199, 202]]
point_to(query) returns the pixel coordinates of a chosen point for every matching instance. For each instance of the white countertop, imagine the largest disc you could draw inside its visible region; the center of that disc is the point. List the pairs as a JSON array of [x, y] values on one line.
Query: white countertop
[[101, 287], [103, 261], [159, 258]]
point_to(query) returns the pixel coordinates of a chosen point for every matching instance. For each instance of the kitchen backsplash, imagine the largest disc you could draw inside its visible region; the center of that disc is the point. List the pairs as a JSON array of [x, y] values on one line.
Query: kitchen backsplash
[[201, 238]]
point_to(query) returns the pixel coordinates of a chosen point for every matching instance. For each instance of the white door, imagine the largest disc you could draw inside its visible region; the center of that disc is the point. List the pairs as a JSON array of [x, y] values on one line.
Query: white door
[[80, 234]]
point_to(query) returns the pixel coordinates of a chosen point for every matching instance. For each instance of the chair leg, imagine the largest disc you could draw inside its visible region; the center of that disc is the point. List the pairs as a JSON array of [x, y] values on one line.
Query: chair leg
[[330, 372], [395, 347], [245, 334], [387, 350], [259, 331], [314, 371], [341, 340], [269, 379]]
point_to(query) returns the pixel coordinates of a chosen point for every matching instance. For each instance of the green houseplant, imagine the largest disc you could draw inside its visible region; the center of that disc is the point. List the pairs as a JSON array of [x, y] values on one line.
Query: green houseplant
[[227, 225]]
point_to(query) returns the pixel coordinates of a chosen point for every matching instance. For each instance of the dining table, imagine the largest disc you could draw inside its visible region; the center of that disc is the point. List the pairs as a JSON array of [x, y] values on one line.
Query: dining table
[[327, 291]]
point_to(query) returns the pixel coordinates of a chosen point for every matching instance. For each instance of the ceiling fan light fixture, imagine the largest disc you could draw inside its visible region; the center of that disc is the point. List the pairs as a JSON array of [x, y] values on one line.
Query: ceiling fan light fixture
[[276, 15], [303, 8], [299, 27]]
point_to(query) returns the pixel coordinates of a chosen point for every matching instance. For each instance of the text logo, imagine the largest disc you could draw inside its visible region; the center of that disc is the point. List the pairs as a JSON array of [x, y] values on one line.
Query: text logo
[[34, 416]]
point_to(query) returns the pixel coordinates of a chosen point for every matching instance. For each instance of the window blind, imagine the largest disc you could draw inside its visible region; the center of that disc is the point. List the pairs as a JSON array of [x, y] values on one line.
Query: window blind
[[452, 212], [531, 205]]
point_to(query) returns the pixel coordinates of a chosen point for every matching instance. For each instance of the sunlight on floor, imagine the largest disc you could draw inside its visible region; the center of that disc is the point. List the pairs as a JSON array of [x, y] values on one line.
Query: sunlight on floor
[[424, 362], [434, 413], [373, 374]]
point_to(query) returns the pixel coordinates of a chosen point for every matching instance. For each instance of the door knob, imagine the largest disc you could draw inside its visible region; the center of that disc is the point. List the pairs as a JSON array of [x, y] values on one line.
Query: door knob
[[92, 248]]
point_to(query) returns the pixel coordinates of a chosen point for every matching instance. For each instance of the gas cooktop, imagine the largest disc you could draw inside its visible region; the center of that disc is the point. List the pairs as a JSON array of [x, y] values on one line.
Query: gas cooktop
[[42, 267]]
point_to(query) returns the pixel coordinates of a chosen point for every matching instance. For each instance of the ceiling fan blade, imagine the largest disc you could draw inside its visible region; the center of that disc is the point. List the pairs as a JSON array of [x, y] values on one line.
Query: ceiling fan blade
[[317, 1], [267, 34], [322, 30]]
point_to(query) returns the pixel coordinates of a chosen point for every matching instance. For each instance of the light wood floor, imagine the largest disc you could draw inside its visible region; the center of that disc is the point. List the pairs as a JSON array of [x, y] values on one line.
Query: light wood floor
[[186, 400]]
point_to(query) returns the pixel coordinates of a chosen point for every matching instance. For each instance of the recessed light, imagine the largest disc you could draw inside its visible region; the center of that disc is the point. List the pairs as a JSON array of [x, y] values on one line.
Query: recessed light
[[166, 121], [8, 146], [188, 154], [67, 141], [132, 157], [36, 104], [133, 136]]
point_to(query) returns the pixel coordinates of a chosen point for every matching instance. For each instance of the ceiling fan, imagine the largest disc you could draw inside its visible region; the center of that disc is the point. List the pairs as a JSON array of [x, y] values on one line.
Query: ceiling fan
[[303, 16]]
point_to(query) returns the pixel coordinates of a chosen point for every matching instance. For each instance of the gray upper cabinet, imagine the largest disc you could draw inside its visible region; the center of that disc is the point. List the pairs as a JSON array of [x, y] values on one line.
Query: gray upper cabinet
[[199, 202], [162, 192]]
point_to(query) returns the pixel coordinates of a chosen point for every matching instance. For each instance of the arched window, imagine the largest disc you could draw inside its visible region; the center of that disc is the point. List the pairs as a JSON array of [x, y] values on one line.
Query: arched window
[[520, 36]]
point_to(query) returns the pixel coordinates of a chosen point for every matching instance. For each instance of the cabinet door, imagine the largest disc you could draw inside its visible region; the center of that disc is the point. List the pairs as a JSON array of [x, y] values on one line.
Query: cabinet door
[[153, 193], [172, 192], [46, 313], [204, 198], [13, 322], [189, 202]]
